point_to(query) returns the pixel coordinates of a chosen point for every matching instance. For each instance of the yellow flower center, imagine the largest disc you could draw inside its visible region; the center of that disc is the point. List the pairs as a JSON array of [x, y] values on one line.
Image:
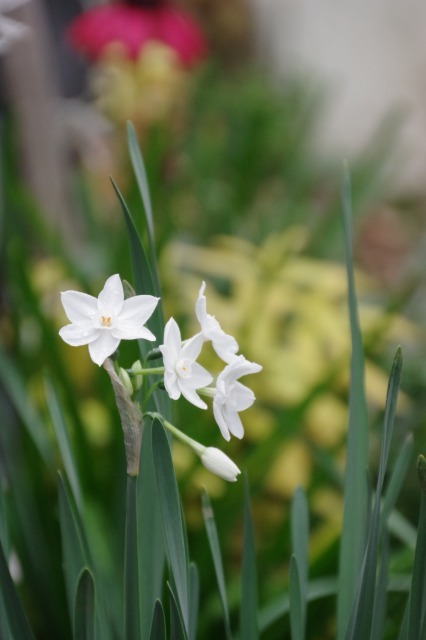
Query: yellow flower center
[[106, 321]]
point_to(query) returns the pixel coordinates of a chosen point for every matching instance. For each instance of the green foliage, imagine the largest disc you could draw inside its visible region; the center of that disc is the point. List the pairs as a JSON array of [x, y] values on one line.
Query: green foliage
[[126, 562]]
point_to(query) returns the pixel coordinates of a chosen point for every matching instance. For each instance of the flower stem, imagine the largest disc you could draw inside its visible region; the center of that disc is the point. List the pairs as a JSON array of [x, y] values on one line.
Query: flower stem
[[145, 372], [196, 446]]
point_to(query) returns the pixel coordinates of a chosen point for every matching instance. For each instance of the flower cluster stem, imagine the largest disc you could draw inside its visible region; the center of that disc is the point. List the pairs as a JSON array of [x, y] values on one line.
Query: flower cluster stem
[[196, 446]]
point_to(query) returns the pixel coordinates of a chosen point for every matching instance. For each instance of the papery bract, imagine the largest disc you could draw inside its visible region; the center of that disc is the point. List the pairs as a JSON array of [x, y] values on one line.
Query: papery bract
[[132, 27], [225, 345], [103, 322], [183, 375], [231, 396]]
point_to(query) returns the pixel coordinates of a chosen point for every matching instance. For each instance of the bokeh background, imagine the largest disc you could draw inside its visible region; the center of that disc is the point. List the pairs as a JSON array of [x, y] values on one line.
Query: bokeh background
[[244, 122]]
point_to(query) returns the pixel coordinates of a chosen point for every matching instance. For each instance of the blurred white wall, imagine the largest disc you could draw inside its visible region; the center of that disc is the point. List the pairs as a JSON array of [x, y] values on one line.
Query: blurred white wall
[[370, 57]]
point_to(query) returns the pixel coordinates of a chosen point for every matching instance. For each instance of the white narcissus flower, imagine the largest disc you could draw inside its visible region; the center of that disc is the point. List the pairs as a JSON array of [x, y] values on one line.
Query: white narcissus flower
[[225, 345], [218, 463], [231, 396], [182, 375], [104, 321]]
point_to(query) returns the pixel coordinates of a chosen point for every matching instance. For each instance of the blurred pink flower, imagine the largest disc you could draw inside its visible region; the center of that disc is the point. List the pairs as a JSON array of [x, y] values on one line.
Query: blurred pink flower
[[131, 26]]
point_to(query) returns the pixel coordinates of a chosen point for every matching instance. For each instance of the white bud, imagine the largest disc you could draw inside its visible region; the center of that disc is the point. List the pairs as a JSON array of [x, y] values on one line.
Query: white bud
[[125, 379], [218, 463], [136, 379]]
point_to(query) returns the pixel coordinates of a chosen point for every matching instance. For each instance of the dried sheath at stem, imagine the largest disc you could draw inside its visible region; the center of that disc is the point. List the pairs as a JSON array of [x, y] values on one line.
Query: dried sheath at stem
[[131, 420]]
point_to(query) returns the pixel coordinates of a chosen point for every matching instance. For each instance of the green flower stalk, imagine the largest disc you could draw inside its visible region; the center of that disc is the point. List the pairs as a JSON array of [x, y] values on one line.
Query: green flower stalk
[[213, 459]]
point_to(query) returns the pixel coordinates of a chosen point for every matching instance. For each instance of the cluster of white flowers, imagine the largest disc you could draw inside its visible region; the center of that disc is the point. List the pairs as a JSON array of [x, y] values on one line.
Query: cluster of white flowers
[[101, 323]]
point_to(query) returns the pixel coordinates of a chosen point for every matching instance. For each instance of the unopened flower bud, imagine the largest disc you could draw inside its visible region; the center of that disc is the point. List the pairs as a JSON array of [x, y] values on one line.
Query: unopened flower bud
[[218, 463], [125, 379], [137, 380]]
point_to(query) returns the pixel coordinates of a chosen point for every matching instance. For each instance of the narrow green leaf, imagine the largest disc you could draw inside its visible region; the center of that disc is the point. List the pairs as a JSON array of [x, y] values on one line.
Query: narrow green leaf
[[399, 472], [402, 529], [213, 539], [151, 557], [356, 490], [142, 270], [380, 601], [17, 624], [390, 409], [296, 606], [142, 180], [194, 600], [18, 393], [144, 284], [131, 573], [416, 612], [317, 589], [169, 502], [62, 437], [248, 609], [300, 541], [158, 626], [362, 611], [177, 626], [403, 633], [74, 545], [84, 607]]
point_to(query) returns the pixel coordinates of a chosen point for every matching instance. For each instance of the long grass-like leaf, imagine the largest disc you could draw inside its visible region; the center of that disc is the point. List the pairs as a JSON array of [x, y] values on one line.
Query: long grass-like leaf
[[158, 626], [213, 539], [417, 606], [248, 609], [300, 538], [362, 612], [62, 437], [177, 625], [151, 557], [194, 600], [142, 180], [18, 393], [356, 490], [75, 550], [168, 499], [296, 604], [317, 589], [16, 625], [84, 607], [144, 284], [399, 472], [131, 566], [380, 601]]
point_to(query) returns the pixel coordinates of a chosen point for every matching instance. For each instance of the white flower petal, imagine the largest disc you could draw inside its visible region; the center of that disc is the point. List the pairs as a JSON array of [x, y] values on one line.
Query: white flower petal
[[238, 368], [218, 416], [192, 348], [242, 396], [129, 332], [110, 299], [77, 335], [171, 384], [103, 347], [172, 341], [190, 394], [234, 423], [201, 306], [78, 306], [225, 346], [138, 309], [200, 377]]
